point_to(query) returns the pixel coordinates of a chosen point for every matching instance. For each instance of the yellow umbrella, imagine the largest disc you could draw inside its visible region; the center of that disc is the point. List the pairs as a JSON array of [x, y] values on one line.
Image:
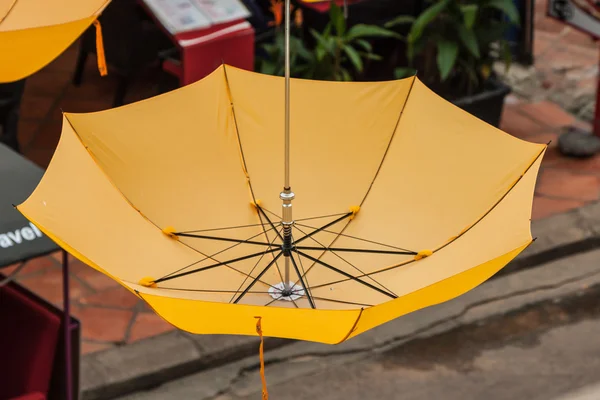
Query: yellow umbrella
[[403, 201], [35, 32]]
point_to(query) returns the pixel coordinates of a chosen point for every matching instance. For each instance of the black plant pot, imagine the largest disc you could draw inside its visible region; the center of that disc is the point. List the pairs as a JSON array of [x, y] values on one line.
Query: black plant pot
[[487, 105]]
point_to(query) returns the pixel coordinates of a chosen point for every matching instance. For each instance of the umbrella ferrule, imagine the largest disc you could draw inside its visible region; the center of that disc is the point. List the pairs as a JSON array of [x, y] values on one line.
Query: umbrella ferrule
[[287, 196]]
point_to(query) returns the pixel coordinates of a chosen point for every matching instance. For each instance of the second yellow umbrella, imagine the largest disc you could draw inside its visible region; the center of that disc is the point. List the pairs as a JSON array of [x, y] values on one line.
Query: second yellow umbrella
[[34, 32]]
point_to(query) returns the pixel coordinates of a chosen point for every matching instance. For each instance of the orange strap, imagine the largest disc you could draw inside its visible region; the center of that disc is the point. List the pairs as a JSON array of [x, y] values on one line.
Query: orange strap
[[100, 49], [265, 393]]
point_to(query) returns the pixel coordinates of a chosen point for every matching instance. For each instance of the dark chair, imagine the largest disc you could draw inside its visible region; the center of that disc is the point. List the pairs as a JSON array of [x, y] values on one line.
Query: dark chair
[[132, 41], [10, 103], [28, 340]]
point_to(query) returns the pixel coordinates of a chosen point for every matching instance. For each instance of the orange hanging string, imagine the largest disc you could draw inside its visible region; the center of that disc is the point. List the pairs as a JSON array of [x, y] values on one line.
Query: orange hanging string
[[100, 49], [265, 393]]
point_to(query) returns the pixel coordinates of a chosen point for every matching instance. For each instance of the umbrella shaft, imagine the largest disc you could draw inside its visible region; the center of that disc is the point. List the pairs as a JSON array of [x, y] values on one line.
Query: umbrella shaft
[[287, 94]]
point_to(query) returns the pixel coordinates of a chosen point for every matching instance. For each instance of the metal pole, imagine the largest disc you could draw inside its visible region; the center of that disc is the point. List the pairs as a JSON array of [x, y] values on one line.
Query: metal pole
[[287, 94], [287, 195], [67, 327], [596, 126]]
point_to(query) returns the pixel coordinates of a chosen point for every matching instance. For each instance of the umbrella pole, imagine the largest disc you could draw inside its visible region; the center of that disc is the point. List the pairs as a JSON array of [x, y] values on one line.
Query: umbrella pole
[[287, 195]]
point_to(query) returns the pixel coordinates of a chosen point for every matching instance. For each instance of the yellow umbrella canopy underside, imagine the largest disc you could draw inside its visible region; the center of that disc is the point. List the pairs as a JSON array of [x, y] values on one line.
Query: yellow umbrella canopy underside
[[35, 32], [435, 200]]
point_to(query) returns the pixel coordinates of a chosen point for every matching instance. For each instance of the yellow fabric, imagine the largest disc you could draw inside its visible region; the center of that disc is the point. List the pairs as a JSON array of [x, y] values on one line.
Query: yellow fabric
[[35, 32], [419, 169]]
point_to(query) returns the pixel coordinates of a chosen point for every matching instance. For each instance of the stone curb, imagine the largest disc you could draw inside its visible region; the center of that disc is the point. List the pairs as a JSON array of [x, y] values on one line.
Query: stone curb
[[151, 362]]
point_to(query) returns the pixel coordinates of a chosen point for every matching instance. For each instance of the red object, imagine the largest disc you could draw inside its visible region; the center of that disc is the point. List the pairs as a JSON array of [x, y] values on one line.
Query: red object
[[28, 340], [30, 396], [323, 6], [202, 51]]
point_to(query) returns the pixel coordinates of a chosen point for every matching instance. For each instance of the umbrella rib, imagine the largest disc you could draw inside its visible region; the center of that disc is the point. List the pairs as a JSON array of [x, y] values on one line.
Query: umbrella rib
[[240, 241], [340, 249], [339, 271], [343, 302], [215, 265], [465, 231], [328, 299], [322, 216], [258, 277], [89, 152], [355, 267], [357, 238], [268, 220], [249, 275], [412, 84], [497, 202], [3, 17], [373, 273], [324, 227], [208, 290], [223, 229], [237, 133], [267, 236], [206, 257], [308, 295], [304, 273]]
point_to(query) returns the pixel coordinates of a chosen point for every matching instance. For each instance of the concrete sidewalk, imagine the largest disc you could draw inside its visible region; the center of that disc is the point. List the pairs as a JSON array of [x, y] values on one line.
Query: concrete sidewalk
[[587, 393]]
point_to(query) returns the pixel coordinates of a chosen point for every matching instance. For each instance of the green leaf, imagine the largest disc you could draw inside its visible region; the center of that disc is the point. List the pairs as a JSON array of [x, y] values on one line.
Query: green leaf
[[320, 53], [299, 47], [508, 8], [446, 57], [400, 20], [362, 30], [336, 16], [364, 44], [346, 75], [268, 67], [425, 19], [404, 72], [469, 14], [370, 56], [354, 57], [469, 39], [326, 43]]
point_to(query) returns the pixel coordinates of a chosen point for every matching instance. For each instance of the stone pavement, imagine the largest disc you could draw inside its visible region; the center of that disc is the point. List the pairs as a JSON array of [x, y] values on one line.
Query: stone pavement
[[111, 317], [587, 393], [565, 70]]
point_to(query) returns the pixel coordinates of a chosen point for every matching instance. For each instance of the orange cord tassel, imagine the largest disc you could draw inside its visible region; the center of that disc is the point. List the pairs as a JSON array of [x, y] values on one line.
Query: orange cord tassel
[[100, 50], [265, 393]]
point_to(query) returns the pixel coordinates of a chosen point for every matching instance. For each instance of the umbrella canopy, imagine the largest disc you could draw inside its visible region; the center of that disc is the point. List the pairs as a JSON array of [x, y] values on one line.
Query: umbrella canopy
[[35, 32], [402, 201]]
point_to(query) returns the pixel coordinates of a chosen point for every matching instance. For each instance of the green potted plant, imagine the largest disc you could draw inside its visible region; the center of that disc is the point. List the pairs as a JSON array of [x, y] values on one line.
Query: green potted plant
[[452, 46], [339, 54]]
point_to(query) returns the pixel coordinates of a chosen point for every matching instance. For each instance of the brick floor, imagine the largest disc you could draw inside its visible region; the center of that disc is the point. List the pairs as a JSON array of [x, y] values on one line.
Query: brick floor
[[111, 316]]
